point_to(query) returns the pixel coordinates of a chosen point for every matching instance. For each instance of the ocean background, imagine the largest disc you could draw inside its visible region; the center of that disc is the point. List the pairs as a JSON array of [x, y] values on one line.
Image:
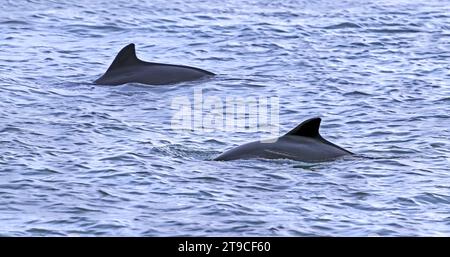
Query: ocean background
[[78, 159]]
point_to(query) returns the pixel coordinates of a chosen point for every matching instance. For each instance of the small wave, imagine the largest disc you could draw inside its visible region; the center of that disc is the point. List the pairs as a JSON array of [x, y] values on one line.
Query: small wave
[[357, 93], [14, 22], [394, 31], [43, 232], [183, 152], [83, 28], [443, 99], [344, 25], [405, 201], [208, 179], [432, 198]]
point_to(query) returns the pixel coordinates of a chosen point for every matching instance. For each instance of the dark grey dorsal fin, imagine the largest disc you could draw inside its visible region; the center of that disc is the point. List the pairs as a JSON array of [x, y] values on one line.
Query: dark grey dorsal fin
[[126, 57], [308, 128]]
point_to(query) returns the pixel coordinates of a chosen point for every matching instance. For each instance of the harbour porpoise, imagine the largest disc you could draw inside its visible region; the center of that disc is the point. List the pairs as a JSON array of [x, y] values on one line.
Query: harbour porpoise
[[303, 143], [127, 68]]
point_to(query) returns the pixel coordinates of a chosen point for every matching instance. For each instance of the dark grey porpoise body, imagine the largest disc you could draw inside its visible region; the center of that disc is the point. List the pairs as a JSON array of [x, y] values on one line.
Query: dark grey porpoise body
[[127, 68], [303, 143]]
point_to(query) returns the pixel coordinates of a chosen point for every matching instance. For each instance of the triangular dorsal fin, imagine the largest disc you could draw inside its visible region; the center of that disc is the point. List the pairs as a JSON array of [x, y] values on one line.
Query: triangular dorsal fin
[[126, 56], [308, 128]]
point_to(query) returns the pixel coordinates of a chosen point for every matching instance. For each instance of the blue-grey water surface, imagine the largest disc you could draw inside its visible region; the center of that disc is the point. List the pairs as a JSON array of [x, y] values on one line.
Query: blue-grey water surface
[[85, 160]]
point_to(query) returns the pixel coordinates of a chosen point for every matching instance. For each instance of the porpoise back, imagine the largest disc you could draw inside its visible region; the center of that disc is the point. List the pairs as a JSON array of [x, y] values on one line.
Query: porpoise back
[[127, 68], [303, 143]]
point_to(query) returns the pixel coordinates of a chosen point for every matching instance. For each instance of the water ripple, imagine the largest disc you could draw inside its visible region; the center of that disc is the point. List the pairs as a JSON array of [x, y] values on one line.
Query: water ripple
[[79, 159]]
